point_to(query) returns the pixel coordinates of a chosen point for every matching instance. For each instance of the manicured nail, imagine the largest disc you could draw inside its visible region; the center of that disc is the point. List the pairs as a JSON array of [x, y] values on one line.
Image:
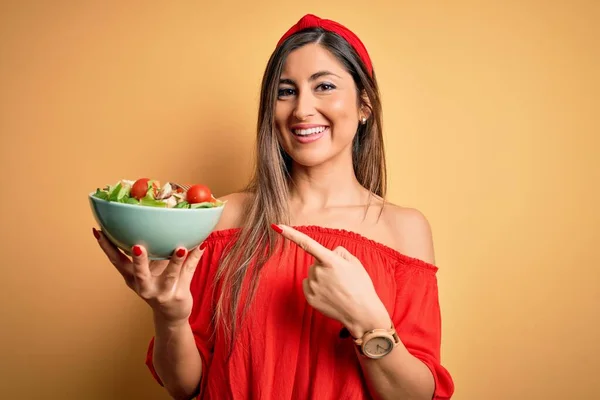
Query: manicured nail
[[202, 246], [96, 233], [180, 253], [137, 250], [276, 228]]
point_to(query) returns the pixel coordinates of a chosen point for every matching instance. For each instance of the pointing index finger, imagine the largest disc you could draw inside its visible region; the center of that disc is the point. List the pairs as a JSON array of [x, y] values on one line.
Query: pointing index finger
[[305, 242]]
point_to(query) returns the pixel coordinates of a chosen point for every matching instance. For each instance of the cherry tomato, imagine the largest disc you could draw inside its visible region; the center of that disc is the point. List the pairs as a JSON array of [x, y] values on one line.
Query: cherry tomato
[[198, 194], [139, 188]]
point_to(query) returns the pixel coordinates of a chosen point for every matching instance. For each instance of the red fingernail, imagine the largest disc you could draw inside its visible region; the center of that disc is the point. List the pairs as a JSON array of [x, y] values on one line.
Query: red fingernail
[[137, 250], [202, 246], [276, 228], [180, 253], [96, 233]]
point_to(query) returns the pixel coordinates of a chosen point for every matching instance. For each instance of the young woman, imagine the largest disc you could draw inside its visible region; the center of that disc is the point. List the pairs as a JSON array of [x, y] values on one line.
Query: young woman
[[311, 286]]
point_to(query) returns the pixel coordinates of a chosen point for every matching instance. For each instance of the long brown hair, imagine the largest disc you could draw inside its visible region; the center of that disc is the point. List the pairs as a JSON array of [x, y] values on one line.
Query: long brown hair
[[256, 242]]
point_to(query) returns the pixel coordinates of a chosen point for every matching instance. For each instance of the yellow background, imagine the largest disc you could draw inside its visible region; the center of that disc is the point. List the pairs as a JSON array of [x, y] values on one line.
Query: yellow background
[[491, 122]]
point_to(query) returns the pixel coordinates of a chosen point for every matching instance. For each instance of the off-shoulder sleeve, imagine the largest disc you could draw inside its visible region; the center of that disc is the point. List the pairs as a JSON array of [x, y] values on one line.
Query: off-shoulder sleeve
[[201, 317], [418, 322]]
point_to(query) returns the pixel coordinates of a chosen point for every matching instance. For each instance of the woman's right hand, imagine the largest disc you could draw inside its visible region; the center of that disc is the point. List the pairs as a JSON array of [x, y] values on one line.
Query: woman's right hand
[[164, 285]]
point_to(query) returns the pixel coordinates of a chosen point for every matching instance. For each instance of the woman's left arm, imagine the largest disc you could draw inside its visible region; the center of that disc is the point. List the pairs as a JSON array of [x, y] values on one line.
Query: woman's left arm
[[339, 286], [399, 374]]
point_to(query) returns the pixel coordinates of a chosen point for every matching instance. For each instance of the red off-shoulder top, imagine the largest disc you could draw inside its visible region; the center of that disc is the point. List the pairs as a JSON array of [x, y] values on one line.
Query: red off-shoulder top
[[288, 350]]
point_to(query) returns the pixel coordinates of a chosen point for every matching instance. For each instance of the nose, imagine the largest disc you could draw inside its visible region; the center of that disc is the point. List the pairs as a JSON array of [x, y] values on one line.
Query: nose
[[305, 105]]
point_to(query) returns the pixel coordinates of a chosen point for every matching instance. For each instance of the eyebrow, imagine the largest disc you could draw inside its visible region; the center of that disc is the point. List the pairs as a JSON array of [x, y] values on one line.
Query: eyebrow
[[313, 77]]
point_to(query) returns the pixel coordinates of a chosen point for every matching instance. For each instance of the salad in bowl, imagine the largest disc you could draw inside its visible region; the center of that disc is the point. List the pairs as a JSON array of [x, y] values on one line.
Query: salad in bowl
[[149, 192], [159, 217]]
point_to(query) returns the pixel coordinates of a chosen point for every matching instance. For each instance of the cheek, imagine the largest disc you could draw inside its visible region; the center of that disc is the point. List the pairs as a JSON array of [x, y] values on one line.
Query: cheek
[[341, 107], [344, 114], [281, 116], [278, 112], [344, 105]]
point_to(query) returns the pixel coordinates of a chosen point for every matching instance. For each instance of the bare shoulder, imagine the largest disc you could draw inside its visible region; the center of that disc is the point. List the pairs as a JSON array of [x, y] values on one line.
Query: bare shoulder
[[234, 210], [411, 232]]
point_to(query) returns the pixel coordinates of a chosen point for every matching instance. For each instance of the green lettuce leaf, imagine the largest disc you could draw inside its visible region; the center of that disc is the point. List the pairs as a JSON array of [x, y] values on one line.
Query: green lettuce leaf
[[120, 193], [101, 194], [113, 193], [206, 204], [149, 201], [183, 204]]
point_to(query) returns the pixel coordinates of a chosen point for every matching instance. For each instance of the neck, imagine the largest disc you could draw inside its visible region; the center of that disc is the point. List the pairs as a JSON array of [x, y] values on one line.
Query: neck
[[331, 184]]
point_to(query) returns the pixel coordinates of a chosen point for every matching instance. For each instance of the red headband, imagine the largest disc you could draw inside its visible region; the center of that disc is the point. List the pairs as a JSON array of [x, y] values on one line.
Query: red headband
[[312, 21]]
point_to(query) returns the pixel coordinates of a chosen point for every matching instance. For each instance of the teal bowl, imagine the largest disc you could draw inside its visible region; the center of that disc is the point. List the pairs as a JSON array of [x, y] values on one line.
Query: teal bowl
[[160, 230]]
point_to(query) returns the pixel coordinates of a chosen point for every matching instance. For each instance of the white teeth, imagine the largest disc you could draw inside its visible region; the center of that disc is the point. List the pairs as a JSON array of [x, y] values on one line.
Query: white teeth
[[311, 131]]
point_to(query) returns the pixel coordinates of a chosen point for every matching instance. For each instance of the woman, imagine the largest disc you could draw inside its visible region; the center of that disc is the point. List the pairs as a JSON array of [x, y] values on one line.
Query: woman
[[311, 286]]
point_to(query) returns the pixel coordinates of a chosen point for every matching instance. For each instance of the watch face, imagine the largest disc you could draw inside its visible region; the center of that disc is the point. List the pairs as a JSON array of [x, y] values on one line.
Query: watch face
[[378, 347]]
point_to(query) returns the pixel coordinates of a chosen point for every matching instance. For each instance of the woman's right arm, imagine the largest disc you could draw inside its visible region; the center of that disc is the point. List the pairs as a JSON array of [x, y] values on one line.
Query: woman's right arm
[[165, 286], [176, 358]]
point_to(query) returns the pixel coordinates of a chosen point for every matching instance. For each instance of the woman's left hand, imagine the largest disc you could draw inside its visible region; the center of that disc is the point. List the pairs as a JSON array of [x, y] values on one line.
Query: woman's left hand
[[339, 286]]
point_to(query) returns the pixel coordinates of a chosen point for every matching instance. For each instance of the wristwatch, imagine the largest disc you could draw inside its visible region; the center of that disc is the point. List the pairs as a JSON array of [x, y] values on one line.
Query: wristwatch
[[377, 343]]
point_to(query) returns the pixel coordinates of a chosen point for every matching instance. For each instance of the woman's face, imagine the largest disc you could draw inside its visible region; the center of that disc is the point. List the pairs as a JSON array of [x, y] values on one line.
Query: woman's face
[[317, 110]]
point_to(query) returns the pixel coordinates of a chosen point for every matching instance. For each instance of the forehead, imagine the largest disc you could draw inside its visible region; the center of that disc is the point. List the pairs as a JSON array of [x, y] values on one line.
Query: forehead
[[311, 58]]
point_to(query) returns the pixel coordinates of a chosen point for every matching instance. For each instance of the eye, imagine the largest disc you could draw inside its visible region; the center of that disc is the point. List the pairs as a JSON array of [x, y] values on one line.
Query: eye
[[285, 92], [325, 87]]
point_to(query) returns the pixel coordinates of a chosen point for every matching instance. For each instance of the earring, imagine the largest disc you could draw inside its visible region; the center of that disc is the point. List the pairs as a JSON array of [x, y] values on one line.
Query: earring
[[363, 120]]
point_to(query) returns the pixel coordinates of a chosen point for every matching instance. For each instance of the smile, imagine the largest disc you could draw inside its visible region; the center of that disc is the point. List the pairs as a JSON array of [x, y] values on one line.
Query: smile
[[310, 131], [310, 134]]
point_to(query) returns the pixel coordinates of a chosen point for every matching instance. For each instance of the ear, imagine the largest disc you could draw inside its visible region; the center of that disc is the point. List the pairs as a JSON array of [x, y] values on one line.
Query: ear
[[365, 106]]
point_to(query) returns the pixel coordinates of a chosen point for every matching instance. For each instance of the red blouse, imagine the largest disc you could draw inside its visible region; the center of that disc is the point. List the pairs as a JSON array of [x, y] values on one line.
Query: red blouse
[[287, 349]]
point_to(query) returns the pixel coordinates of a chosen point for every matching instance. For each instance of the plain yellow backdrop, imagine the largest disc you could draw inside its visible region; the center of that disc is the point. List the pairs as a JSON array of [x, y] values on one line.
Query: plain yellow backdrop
[[491, 124]]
